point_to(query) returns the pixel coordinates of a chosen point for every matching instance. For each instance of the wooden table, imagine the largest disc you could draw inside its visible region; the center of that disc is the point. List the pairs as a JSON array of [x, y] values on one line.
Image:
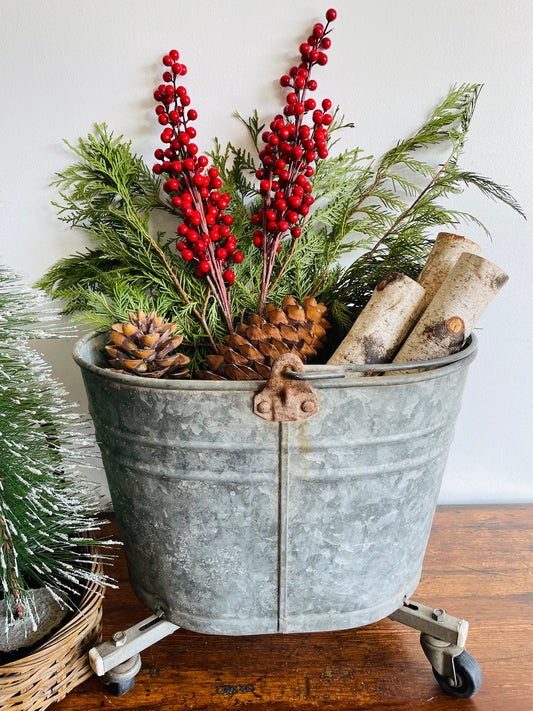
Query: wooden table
[[478, 566]]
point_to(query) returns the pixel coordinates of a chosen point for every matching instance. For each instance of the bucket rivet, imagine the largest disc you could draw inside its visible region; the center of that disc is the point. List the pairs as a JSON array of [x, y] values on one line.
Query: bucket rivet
[[263, 407], [308, 406]]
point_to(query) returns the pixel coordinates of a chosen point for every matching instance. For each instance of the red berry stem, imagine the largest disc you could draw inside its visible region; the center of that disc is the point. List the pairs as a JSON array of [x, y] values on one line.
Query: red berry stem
[[204, 236], [291, 149]]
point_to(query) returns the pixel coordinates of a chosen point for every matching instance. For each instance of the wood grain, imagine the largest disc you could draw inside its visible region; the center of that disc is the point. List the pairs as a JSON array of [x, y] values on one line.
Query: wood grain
[[478, 566]]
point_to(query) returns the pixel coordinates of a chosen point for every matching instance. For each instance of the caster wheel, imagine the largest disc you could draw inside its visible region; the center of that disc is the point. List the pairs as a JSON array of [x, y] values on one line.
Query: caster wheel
[[468, 674], [121, 678], [119, 688]]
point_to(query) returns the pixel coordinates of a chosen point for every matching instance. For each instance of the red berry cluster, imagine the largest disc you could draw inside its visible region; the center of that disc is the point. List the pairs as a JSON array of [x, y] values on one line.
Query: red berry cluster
[[292, 147], [205, 234]]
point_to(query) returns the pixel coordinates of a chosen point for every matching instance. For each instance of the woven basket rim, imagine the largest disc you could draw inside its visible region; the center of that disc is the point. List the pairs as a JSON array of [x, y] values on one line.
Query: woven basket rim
[[76, 625]]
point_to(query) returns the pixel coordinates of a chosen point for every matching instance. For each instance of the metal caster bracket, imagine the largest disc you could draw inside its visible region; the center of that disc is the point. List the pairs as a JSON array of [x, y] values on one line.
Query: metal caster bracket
[[443, 637], [122, 650]]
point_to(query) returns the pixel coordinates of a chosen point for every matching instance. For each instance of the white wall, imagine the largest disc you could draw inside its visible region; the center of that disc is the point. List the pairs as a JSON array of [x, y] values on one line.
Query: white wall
[[66, 65]]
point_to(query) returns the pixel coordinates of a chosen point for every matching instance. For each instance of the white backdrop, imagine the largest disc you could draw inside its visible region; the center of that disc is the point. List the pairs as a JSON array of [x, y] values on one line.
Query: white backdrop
[[66, 65]]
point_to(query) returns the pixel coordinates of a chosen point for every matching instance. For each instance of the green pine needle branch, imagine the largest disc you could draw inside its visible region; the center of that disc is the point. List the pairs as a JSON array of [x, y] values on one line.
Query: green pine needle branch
[[382, 213]]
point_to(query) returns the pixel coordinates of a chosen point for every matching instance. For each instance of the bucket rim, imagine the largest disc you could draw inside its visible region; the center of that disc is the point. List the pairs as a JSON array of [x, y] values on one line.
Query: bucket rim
[[323, 376], [313, 372]]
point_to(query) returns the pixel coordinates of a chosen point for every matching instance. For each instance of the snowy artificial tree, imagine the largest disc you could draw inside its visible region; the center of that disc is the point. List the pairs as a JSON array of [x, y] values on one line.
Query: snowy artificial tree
[[46, 509]]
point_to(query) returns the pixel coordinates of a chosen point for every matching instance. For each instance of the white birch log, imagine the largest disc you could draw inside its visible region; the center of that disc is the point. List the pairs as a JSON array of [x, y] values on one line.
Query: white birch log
[[450, 318], [447, 249], [383, 324]]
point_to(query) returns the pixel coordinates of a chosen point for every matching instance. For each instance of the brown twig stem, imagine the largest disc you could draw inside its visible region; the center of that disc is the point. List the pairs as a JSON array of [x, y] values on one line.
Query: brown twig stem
[[200, 316], [315, 288], [18, 609], [406, 212]]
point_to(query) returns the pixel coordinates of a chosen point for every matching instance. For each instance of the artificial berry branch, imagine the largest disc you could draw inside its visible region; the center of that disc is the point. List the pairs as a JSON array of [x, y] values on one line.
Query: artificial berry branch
[[205, 233], [291, 149]]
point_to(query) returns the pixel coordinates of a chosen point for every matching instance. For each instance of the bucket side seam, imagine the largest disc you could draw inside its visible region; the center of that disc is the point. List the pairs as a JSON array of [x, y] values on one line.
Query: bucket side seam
[[283, 500]]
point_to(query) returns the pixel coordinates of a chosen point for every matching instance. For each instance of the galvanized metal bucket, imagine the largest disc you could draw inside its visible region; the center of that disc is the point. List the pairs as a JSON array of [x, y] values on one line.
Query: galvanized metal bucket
[[234, 524]]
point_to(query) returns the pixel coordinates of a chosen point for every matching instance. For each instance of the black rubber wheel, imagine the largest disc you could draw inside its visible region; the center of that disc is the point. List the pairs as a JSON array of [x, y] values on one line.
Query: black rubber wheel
[[469, 677], [119, 688]]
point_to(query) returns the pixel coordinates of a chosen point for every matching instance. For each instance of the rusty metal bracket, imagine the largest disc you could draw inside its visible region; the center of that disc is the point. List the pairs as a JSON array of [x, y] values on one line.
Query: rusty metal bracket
[[284, 399]]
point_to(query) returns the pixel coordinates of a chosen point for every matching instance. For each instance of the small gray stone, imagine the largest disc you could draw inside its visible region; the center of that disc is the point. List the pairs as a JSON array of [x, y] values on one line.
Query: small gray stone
[[47, 614]]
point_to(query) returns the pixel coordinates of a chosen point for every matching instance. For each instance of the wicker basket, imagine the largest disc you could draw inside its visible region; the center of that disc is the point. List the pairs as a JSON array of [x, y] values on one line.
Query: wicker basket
[[61, 663]]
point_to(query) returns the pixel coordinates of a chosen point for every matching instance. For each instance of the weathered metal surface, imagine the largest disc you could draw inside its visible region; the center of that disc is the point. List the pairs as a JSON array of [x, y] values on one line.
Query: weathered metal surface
[[283, 399], [236, 525]]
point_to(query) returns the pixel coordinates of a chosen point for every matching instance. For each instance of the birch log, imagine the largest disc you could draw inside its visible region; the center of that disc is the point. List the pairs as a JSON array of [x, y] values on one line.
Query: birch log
[[447, 249], [450, 318], [383, 324]]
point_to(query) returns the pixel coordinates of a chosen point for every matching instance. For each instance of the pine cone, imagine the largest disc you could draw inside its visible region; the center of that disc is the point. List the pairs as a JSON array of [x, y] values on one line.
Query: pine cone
[[144, 346], [250, 352]]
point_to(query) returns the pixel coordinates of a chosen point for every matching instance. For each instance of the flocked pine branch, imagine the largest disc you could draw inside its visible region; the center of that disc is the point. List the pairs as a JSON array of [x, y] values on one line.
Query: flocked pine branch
[[46, 508]]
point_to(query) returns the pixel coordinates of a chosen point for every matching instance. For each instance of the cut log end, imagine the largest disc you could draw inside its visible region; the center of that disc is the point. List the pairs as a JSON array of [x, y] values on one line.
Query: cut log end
[[389, 279], [455, 325], [449, 334], [450, 317]]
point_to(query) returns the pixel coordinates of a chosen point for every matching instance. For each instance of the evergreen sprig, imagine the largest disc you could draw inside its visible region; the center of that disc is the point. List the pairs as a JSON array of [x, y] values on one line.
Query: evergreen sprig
[[382, 211], [110, 193], [398, 200], [45, 507]]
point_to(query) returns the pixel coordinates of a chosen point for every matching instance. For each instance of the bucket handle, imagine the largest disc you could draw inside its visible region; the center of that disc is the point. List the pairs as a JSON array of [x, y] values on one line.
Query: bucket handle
[[468, 350]]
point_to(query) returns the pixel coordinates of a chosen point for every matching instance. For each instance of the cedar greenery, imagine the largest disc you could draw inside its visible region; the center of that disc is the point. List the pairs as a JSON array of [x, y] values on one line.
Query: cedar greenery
[[382, 211], [45, 508]]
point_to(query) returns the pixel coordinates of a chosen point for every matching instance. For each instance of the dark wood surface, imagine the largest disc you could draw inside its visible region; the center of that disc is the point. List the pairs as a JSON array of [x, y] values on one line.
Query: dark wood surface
[[478, 566]]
